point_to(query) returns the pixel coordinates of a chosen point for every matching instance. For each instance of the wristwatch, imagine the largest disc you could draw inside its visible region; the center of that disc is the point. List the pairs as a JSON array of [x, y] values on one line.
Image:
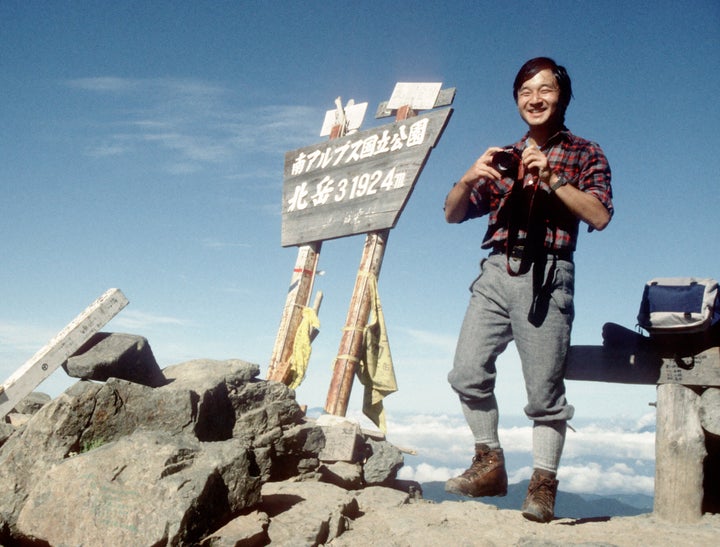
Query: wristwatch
[[562, 181]]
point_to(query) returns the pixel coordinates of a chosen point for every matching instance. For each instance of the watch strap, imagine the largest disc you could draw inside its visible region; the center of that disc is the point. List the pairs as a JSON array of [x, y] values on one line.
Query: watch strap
[[562, 181]]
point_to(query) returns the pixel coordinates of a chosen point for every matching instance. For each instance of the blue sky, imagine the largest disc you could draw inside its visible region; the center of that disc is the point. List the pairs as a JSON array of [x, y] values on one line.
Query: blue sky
[[142, 147]]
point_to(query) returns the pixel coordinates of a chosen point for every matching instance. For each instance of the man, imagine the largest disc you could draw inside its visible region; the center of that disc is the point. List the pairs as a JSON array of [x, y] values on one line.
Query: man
[[535, 193]]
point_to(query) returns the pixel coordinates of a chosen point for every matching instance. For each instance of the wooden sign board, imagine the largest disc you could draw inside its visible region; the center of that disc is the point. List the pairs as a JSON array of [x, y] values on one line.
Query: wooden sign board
[[356, 184]]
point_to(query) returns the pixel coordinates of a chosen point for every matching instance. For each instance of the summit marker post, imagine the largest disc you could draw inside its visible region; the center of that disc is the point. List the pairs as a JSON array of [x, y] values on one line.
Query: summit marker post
[[357, 183]]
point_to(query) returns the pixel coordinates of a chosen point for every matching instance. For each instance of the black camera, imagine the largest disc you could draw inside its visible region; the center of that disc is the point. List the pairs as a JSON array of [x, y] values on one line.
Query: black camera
[[506, 162]]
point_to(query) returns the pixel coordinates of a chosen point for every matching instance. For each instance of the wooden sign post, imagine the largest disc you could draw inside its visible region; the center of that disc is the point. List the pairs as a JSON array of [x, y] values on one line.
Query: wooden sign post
[[357, 183], [303, 276], [56, 352], [352, 341]]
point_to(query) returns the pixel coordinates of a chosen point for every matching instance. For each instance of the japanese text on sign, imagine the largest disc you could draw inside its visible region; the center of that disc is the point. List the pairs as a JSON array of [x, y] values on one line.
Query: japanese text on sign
[[356, 183], [366, 184], [361, 149]]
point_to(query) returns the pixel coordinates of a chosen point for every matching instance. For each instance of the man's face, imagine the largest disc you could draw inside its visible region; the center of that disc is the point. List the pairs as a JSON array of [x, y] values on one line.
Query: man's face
[[538, 100]]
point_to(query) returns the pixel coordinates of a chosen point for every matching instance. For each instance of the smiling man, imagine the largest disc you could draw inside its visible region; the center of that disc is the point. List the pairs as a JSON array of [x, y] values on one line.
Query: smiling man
[[535, 193]]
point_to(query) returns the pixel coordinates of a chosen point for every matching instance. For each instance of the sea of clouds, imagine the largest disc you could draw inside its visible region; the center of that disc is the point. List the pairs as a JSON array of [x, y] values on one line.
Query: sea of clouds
[[613, 456]]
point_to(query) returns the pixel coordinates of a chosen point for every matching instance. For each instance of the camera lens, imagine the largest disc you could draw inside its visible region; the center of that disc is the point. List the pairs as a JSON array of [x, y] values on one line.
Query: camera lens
[[504, 161]]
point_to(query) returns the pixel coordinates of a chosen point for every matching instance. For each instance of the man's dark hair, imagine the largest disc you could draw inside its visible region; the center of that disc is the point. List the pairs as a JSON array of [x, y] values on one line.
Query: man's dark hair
[[533, 66]]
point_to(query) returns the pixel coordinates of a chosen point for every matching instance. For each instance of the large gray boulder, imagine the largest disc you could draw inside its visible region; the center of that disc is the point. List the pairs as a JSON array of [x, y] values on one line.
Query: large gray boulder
[[148, 488], [383, 463], [116, 355], [207, 400]]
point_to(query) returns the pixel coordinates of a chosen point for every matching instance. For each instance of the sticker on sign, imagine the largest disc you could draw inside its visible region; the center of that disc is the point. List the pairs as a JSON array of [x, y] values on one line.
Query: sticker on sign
[[417, 95]]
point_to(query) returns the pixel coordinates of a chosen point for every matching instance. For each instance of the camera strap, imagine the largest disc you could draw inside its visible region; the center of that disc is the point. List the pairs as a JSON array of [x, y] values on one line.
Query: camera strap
[[513, 228]]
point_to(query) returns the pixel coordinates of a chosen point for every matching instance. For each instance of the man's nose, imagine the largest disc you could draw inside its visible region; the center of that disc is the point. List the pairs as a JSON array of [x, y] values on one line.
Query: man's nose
[[536, 97]]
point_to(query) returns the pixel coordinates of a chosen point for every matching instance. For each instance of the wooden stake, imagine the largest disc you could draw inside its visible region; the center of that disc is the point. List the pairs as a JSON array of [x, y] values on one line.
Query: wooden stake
[[298, 297], [351, 343]]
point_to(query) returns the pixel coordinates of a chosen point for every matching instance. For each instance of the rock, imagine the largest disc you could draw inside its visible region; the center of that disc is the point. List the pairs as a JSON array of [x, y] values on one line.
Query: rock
[[115, 355], [306, 513], [184, 463], [6, 429], [17, 420], [148, 488], [244, 531], [383, 463], [32, 403], [377, 498], [343, 474], [343, 439], [297, 449]]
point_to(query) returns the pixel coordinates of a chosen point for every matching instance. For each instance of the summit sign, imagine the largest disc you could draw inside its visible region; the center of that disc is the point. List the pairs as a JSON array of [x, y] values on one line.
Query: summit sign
[[358, 183]]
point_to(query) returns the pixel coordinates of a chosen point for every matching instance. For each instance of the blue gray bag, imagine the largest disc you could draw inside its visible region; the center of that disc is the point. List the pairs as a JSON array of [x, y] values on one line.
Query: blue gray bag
[[679, 305]]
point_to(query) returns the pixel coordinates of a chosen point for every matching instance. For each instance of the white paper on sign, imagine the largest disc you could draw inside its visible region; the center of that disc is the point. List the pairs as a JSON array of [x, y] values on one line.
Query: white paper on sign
[[420, 96], [354, 115]]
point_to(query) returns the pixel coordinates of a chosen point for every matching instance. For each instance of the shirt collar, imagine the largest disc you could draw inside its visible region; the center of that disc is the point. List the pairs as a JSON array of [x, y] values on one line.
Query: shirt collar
[[563, 134]]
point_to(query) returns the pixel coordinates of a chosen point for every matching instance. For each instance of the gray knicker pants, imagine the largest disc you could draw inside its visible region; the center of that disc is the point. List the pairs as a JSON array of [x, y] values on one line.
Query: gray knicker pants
[[497, 314]]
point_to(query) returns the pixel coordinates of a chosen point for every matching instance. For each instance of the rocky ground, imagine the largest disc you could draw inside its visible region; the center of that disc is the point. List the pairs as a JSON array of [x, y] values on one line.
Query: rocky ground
[[477, 524], [205, 453]]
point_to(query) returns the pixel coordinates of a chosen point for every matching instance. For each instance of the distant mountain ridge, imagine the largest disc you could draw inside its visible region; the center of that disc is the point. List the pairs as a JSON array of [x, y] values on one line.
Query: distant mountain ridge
[[579, 506]]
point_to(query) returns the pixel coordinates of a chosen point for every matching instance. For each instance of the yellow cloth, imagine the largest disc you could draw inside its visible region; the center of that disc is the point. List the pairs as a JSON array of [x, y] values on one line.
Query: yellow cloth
[[375, 370], [301, 347]]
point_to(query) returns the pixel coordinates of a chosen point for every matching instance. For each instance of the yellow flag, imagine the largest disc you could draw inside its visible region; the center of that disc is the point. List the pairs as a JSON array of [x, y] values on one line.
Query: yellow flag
[[375, 370], [301, 347]]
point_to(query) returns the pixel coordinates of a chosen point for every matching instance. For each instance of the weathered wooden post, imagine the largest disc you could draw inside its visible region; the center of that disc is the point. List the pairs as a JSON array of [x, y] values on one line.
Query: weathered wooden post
[[351, 343], [688, 405], [679, 454], [56, 352]]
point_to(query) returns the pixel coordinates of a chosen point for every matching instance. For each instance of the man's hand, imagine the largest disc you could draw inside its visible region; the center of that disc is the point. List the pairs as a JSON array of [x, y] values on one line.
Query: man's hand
[[458, 200], [536, 162], [482, 168]]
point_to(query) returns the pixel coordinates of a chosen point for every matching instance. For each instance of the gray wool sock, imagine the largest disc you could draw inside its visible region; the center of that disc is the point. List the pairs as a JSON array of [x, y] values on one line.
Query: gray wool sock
[[548, 442], [482, 417]]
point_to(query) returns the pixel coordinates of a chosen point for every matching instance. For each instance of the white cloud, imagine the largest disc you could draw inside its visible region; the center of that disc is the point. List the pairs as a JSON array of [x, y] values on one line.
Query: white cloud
[[425, 472], [602, 459], [107, 150], [138, 320], [107, 84], [592, 440], [19, 337], [192, 124], [615, 479]]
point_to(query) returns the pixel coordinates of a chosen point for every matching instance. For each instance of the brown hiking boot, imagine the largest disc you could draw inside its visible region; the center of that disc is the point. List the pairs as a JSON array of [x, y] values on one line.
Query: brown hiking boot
[[539, 504], [485, 477]]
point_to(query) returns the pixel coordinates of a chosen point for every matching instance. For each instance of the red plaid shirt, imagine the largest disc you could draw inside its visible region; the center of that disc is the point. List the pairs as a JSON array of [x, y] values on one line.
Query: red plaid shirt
[[581, 162]]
